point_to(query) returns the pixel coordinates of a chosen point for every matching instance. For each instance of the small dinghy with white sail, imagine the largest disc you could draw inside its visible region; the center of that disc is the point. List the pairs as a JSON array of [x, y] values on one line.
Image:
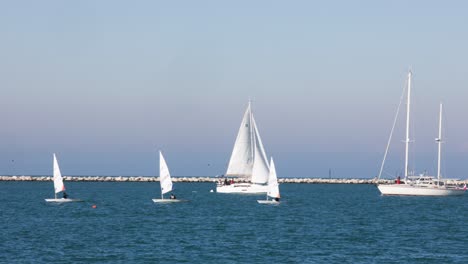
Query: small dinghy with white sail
[[60, 187], [273, 187], [166, 182]]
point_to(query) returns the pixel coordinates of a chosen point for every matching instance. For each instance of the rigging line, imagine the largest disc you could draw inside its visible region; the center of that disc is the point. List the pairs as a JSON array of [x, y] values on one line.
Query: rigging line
[[389, 174], [391, 133]]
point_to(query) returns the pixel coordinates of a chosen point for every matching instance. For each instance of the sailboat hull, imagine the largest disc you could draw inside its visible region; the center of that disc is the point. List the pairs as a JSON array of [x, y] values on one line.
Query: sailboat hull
[[247, 188], [62, 200], [412, 190], [168, 200], [267, 202]]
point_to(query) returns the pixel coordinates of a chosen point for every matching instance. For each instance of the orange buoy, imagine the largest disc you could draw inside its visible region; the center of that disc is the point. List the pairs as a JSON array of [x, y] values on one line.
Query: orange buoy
[[94, 206]]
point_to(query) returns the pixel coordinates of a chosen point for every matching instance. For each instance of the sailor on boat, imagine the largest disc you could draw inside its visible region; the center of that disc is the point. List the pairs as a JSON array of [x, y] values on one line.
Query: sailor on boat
[[173, 197]]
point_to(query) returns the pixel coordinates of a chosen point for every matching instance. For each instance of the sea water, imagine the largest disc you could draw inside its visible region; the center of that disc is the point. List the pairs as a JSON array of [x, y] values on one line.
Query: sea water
[[313, 224]]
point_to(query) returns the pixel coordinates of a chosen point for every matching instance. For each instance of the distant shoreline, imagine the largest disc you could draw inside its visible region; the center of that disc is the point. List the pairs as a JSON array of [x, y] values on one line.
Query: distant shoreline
[[187, 179]]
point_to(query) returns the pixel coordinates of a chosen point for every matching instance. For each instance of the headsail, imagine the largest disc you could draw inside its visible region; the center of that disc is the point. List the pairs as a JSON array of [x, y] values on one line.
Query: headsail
[[273, 188], [164, 176], [260, 170], [58, 181], [241, 162]]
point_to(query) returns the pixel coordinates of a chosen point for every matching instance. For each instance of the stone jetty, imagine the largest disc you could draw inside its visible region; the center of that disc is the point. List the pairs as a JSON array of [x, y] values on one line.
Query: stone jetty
[[187, 179]]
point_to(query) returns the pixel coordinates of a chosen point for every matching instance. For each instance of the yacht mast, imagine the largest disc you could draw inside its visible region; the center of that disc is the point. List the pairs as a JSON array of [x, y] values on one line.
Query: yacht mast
[[439, 142], [407, 140]]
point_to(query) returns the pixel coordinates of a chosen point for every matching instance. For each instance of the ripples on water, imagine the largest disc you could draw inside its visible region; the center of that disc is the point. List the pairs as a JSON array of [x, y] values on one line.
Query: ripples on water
[[314, 224]]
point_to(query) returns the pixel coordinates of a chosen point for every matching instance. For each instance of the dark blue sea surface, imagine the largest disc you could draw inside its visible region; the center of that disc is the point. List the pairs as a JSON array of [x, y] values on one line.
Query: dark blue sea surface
[[313, 224]]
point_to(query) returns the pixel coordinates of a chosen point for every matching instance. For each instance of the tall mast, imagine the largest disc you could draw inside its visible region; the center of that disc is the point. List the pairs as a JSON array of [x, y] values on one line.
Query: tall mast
[[439, 142], [407, 140]]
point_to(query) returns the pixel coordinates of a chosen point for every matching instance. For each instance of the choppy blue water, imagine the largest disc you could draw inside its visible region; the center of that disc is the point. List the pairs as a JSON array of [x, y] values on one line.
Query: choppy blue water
[[314, 224]]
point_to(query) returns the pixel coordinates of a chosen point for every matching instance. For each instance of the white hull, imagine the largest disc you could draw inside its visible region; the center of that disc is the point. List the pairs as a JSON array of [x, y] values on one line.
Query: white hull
[[414, 190], [168, 200], [247, 188], [62, 200], [267, 202]]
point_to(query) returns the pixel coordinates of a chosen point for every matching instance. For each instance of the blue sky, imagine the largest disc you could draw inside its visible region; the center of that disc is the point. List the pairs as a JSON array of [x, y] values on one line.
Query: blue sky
[[105, 84]]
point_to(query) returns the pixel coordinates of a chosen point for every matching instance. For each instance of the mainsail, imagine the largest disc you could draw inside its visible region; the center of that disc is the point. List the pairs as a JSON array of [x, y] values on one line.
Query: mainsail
[[164, 176], [58, 181], [248, 159], [273, 188]]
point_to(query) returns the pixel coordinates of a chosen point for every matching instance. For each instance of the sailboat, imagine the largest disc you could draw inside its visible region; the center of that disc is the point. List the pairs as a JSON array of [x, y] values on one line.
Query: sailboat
[[165, 181], [59, 186], [248, 160], [273, 188], [422, 185]]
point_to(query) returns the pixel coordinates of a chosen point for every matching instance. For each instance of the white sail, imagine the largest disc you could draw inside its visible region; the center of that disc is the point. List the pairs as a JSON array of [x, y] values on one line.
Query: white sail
[[248, 159], [58, 181], [241, 162], [273, 188], [164, 176], [260, 170]]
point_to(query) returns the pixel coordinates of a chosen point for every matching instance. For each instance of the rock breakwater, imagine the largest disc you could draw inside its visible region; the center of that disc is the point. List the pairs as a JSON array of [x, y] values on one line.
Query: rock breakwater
[[186, 179]]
